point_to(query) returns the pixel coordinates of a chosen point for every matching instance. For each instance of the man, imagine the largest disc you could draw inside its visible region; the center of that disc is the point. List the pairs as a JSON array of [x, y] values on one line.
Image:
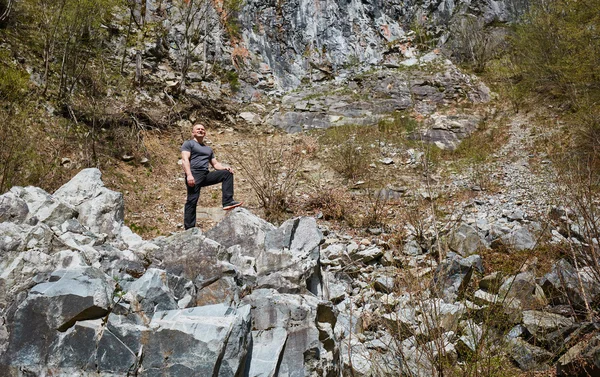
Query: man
[[196, 156]]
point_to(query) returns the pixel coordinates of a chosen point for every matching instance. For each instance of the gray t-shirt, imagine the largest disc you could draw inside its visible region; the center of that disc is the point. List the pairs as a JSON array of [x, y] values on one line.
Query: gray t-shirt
[[200, 154]]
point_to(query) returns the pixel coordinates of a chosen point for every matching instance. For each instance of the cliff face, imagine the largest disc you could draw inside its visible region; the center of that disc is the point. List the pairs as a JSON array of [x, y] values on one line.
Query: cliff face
[[302, 40]]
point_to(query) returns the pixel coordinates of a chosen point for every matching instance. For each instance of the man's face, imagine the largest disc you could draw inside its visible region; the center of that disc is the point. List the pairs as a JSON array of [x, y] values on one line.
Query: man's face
[[198, 131]]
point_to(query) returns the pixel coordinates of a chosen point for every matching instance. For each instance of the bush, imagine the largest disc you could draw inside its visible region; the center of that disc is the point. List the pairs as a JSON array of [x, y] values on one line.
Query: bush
[[272, 169], [557, 49], [475, 44]]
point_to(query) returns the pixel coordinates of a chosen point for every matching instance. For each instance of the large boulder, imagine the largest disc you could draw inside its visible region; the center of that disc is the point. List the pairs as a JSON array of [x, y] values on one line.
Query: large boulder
[[70, 295], [284, 258], [242, 228], [310, 348], [100, 209], [565, 285], [44, 207], [203, 341]]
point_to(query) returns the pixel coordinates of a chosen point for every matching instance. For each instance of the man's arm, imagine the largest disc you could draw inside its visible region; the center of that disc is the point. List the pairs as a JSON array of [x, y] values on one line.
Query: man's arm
[[218, 166], [185, 159]]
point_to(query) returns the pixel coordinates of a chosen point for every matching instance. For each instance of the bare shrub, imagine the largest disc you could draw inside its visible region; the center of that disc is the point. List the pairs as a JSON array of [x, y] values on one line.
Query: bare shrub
[[474, 43], [272, 168], [332, 202]]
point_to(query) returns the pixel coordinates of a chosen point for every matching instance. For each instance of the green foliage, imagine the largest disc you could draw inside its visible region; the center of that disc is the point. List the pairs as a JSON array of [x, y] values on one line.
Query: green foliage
[[401, 122], [13, 82], [557, 49], [23, 154], [69, 36]]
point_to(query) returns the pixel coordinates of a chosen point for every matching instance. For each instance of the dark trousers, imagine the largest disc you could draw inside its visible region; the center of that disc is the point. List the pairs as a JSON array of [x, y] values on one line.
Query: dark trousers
[[203, 178]]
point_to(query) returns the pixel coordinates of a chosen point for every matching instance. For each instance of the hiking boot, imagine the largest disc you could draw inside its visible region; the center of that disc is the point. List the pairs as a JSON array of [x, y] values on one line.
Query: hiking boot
[[232, 205]]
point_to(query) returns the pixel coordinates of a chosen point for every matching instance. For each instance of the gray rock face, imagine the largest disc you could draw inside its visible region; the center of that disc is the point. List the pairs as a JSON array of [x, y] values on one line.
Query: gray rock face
[[241, 228], [150, 318], [197, 342], [297, 41], [310, 348], [70, 296], [44, 207], [562, 286], [465, 240], [100, 209], [371, 98], [12, 208], [523, 291]]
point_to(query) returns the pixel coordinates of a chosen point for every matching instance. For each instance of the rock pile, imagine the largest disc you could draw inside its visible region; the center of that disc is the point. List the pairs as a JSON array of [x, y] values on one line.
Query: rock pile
[[81, 294]]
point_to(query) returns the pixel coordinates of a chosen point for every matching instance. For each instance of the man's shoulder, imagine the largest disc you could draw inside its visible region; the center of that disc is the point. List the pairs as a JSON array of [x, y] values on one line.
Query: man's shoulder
[[187, 145]]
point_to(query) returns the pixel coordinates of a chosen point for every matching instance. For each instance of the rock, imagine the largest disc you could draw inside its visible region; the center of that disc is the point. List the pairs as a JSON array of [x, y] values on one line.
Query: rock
[[540, 324], [151, 293], [311, 343], [241, 228], [529, 357], [357, 358], [581, 360], [366, 255], [198, 341], [12, 208], [468, 343], [447, 131], [100, 209], [562, 286], [519, 239], [71, 295], [524, 289], [465, 240], [265, 354], [44, 207], [454, 275], [250, 117]]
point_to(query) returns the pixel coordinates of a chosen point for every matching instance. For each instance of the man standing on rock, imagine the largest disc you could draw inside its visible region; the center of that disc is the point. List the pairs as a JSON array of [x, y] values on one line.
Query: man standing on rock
[[196, 156]]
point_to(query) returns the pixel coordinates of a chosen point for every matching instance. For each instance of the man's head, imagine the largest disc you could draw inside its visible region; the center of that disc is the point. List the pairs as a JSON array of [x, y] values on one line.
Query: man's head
[[198, 131]]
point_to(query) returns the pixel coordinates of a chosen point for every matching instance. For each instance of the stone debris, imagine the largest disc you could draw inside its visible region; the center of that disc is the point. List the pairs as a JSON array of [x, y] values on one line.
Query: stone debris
[[82, 294]]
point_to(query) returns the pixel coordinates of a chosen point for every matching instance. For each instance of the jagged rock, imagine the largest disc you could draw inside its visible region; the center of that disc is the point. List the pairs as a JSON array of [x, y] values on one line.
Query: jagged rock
[[71, 295], [100, 209], [241, 228], [454, 274], [21, 237], [523, 291], [12, 208], [266, 352], [465, 240], [438, 317], [120, 344], [529, 357], [518, 239], [44, 207], [198, 342], [366, 255], [151, 293], [310, 345], [467, 344], [562, 286], [581, 360], [540, 324], [447, 131], [357, 358]]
